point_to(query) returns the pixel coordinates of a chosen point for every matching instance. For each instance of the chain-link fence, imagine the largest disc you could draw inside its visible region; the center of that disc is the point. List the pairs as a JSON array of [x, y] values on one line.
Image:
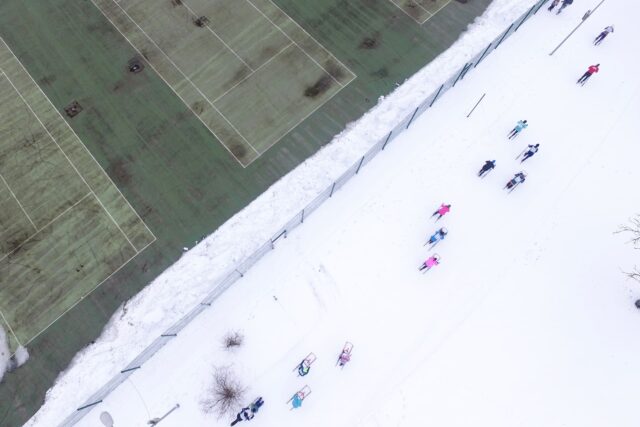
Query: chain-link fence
[[298, 219]]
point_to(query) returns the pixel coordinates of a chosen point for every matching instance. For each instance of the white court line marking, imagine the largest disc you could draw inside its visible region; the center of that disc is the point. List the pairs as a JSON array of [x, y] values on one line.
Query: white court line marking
[[18, 201], [409, 15], [166, 82], [196, 16], [187, 79], [10, 330], [254, 71], [437, 10], [305, 118], [184, 3], [354, 76], [48, 224], [293, 41], [80, 140], [431, 14], [68, 160], [314, 40], [105, 174], [86, 294]]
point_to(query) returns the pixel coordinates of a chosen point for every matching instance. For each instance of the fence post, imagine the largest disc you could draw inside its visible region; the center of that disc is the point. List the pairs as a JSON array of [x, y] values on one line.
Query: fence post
[[483, 54], [386, 140], [414, 114], [540, 6], [359, 165], [465, 71], [273, 241], [436, 97], [460, 74], [332, 187], [504, 35], [525, 18]]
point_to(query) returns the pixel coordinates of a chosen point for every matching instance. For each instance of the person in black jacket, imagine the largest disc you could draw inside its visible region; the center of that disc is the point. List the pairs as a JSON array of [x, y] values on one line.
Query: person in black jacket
[[488, 165], [533, 149], [517, 179], [247, 414], [244, 415]]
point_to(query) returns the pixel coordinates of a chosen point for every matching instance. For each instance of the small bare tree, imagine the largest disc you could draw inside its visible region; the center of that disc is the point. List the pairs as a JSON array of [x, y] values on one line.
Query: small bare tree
[[633, 228], [225, 395], [233, 340]]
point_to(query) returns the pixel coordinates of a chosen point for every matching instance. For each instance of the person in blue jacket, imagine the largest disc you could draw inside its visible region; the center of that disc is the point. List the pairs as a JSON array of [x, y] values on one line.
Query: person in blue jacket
[[437, 236], [520, 126]]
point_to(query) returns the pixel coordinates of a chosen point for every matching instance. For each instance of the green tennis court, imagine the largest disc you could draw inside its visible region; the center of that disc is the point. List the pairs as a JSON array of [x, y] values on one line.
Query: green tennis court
[[246, 69], [65, 226], [275, 83]]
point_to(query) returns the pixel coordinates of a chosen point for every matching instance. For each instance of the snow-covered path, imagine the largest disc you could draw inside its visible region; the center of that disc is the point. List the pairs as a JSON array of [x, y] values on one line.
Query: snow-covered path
[[528, 321]]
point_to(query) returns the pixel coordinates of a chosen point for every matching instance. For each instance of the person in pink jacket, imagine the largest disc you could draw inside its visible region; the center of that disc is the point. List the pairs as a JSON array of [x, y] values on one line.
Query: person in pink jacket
[[432, 261], [442, 211]]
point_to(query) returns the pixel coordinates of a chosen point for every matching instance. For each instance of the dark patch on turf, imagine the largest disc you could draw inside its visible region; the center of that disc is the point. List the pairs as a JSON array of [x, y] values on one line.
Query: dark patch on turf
[[371, 42], [321, 86], [118, 170], [381, 73], [47, 80]]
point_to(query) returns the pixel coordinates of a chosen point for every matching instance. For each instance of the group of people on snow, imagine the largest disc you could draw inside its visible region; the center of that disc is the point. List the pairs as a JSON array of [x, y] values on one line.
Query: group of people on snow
[[435, 238], [593, 69], [304, 367], [603, 34], [527, 153]]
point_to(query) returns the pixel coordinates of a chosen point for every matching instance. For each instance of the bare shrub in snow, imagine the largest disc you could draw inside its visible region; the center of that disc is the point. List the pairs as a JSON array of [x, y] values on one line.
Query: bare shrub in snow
[[633, 229], [233, 340], [225, 395]]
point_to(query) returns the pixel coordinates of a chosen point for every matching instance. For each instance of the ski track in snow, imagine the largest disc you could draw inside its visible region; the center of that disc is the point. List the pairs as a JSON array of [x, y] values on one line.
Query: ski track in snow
[[528, 320]]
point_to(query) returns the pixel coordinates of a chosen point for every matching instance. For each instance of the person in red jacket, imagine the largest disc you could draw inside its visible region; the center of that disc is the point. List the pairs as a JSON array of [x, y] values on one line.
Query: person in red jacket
[[442, 211], [592, 70]]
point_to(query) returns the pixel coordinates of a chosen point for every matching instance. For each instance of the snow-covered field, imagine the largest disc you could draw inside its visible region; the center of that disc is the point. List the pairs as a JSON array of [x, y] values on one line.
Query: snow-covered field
[[528, 321], [4, 353]]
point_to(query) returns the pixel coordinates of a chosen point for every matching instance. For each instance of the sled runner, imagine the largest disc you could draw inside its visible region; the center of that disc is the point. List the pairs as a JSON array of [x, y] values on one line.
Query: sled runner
[[305, 366], [299, 396]]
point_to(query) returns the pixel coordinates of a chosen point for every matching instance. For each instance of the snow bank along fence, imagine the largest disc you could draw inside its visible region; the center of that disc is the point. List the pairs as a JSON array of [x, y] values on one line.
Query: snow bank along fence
[[298, 219]]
